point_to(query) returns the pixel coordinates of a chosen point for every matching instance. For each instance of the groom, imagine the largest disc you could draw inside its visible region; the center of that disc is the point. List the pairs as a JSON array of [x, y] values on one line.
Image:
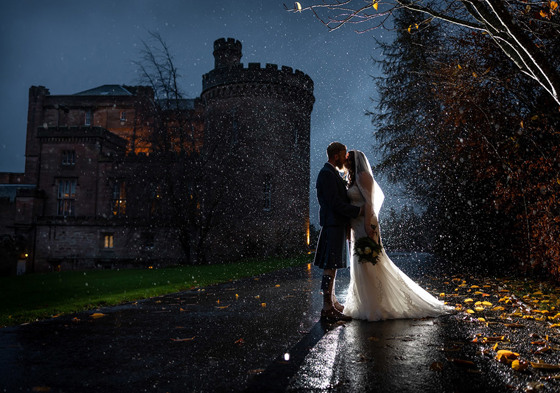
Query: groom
[[335, 212]]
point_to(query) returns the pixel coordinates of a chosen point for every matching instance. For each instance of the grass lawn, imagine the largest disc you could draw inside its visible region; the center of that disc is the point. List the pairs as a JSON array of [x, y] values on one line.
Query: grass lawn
[[35, 296]]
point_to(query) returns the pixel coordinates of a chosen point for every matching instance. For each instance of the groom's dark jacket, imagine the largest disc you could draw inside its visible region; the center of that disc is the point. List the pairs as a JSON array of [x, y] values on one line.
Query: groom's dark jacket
[[334, 206]]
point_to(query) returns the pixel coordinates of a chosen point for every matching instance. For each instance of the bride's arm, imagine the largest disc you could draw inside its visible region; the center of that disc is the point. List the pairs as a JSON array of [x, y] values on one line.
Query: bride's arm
[[366, 181]]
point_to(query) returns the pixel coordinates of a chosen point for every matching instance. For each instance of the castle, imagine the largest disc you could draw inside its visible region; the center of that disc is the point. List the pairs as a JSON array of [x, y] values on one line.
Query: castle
[[115, 177]]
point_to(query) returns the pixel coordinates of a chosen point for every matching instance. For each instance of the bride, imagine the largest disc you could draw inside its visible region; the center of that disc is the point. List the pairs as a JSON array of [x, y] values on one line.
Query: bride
[[380, 291]]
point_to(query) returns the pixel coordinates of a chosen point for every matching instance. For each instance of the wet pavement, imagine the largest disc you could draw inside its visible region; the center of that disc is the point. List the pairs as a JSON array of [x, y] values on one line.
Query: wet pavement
[[260, 334]]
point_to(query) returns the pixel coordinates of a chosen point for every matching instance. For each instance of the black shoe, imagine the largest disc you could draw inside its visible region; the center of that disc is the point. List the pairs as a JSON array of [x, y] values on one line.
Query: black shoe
[[333, 315], [339, 307]]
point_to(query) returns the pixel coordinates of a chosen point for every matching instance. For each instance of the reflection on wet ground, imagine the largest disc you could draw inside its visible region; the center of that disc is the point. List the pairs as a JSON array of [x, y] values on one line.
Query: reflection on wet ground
[[256, 334]]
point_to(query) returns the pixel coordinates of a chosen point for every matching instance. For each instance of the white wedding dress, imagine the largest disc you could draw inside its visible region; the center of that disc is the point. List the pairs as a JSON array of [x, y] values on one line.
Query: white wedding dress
[[383, 291]]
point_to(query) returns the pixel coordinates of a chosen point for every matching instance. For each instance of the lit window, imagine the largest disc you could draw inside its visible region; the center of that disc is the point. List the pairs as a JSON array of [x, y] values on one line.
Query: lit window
[[87, 120], [108, 240], [68, 157], [119, 198], [267, 193], [123, 116], [66, 196]]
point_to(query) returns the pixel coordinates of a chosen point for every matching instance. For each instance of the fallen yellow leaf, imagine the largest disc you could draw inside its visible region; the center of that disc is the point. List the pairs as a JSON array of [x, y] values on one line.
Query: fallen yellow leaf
[[519, 365], [545, 366], [505, 356], [436, 366], [183, 339], [462, 362], [96, 315]]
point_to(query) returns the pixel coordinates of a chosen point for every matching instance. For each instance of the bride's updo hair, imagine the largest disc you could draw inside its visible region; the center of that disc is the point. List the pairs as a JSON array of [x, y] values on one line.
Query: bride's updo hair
[[350, 166]]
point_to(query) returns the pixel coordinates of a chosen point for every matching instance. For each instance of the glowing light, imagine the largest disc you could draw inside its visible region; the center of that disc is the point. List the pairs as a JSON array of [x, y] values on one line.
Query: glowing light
[[307, 232], [286, 357]]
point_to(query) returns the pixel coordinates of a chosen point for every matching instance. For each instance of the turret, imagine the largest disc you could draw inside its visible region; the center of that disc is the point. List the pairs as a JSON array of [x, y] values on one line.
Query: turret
[[256, 118], [227, 53]]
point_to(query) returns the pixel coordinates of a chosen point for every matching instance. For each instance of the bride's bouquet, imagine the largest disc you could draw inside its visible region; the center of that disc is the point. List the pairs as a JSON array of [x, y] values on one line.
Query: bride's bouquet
[[367, 250]]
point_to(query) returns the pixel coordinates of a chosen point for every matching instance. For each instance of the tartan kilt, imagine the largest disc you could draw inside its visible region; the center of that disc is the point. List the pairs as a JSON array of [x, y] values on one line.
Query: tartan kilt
[[332, 248]]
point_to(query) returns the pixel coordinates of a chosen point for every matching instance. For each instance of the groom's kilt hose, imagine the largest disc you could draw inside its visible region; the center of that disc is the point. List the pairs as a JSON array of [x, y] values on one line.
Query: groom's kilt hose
[[332, 248]]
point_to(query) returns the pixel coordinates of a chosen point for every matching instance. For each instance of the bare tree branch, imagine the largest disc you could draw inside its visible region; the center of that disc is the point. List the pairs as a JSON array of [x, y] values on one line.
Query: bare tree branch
[[501, 20]]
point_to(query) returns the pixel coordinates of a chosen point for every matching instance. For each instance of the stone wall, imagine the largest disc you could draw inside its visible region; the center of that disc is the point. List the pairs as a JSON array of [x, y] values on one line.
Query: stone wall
[[251, 125]]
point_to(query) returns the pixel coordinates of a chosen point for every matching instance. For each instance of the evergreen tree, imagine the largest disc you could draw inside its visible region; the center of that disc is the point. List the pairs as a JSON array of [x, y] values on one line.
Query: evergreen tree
[[474, 141]]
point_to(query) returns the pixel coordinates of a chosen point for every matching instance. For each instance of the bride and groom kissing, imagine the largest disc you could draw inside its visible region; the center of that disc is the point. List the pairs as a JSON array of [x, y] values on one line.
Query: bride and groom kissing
[[348, 211]]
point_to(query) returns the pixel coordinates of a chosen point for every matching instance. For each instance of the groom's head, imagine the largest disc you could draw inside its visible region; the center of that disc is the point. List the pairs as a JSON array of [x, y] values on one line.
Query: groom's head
[[336, 152]]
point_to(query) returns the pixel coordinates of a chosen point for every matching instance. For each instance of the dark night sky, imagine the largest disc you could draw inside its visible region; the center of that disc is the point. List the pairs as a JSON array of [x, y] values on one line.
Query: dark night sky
[[69, 46]]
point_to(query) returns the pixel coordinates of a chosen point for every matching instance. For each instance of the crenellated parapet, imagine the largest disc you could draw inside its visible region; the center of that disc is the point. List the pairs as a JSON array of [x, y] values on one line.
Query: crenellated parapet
[[257, 78], [227, 53]]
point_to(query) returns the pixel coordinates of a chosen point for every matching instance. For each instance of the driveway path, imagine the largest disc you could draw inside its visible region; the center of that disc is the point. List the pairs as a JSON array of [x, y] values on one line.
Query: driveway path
[[256, 334]]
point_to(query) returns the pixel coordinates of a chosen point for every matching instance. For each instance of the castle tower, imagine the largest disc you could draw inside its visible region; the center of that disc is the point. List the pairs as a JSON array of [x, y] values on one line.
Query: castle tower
[[227, 53], [257, 131]]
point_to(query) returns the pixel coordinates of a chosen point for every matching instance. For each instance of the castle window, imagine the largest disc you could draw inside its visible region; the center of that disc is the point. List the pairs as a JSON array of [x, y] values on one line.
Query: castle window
[[267, 193], [234, 132], [87, 120], [65, 197], [123, 116], [119, 198], [107, 241], [295, 137], [155, 208], [148, 239], [68, 157]]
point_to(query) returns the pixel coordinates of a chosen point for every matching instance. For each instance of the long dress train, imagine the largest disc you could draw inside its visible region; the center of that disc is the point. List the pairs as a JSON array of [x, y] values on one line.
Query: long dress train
[[383, 291]]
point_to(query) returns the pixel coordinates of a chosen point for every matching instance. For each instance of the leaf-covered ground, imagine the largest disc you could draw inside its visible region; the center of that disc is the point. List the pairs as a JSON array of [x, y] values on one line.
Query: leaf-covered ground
[[512, 325]]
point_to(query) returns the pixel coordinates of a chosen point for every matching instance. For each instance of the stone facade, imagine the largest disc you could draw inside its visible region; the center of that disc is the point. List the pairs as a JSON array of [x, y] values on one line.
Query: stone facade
[[91, 196]]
